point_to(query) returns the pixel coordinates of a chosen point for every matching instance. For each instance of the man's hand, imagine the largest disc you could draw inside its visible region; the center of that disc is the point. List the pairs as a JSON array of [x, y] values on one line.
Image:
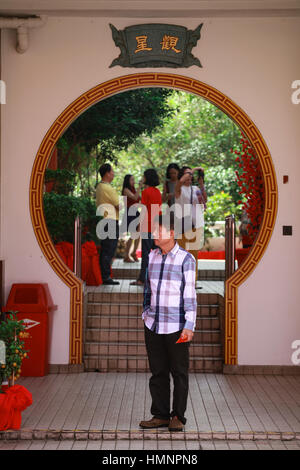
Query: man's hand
[[188, 333]]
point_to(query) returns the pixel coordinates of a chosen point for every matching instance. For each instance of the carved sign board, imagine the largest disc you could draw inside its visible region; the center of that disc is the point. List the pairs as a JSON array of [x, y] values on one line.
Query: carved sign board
[[156, 45]]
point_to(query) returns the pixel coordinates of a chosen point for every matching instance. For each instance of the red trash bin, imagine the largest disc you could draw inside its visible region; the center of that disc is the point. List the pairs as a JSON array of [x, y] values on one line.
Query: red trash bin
[[33, 303]]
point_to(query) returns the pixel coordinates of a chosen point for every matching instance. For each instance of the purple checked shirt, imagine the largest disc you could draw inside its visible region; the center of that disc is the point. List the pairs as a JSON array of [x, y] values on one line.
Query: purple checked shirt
[[169, 293]]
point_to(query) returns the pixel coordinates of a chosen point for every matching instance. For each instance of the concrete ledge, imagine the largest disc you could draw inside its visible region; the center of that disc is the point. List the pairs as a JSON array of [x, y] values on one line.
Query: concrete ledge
[[260, 370], [98, 435]]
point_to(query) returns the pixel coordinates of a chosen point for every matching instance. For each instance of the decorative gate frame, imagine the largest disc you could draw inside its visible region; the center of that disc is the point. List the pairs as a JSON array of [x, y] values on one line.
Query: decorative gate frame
[[105, 90]]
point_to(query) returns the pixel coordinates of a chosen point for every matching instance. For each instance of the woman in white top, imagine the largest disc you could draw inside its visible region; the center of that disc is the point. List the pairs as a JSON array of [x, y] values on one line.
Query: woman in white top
[[191, 212]]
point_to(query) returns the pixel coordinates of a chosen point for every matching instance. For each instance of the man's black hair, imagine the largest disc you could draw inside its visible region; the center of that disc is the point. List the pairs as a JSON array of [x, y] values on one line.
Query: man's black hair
[[166, 220], [105, 168]]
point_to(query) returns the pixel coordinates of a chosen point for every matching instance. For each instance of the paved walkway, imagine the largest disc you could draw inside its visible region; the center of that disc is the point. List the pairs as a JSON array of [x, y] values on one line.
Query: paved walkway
[[93, 406]]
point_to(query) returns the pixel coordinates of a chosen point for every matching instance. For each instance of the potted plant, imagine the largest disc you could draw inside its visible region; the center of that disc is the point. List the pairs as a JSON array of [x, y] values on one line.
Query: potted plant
[[10, 330]]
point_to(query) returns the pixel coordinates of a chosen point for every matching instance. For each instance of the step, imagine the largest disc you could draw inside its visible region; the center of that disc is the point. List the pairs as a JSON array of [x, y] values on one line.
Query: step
[[133, 321], [122, 350], [203, 274], [135, 309], [112, 297], [137, 335], [140, 364]]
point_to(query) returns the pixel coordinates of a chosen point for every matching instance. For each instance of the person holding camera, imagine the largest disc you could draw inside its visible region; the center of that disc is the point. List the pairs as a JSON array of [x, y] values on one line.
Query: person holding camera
[[189, 212]]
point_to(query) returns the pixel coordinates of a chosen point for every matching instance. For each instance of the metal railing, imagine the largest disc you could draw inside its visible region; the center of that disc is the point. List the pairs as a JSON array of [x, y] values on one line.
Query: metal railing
[[77, 247], [229, 246]]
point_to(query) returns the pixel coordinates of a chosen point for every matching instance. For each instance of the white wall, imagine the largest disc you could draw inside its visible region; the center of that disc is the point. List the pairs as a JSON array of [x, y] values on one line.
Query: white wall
[[253, 61]]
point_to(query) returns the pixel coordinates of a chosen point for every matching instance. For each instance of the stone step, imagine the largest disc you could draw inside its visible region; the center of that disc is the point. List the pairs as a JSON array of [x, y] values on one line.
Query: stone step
[[122, 350], [133, 321], [94, 309], [137, 298], [137, 335], [203, 274], [140, 364]]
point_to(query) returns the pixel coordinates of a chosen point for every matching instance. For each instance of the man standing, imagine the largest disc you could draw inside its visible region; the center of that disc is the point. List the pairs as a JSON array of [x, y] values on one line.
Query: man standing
[[169, 315], [108, 198]]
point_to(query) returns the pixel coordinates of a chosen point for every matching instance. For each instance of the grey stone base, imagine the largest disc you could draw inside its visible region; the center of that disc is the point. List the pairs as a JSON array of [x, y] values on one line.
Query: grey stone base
[[261, 370]]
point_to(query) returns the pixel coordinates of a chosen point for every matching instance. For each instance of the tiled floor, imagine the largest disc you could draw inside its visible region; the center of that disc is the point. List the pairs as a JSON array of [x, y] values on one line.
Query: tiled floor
[[95, 406]]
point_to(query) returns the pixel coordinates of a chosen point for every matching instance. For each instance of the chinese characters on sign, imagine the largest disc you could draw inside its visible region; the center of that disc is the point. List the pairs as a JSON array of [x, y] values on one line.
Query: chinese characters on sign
[[156, 45], [142, 44], [168, 43]]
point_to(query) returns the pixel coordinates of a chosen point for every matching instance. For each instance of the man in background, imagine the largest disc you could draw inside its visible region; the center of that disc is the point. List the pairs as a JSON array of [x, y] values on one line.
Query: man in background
[[108, 198]]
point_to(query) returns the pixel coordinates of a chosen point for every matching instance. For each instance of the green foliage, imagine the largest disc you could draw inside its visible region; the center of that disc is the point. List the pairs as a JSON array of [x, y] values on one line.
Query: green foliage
[[115, 122], [64, 180], [196, 133], [107, 128], [10, 331], [218, 179], [141, 129], [220, 205], [60, 212]]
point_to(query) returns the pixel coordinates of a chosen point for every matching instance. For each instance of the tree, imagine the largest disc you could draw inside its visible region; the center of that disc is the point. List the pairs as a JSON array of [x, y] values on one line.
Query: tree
[[196, 133], [113, 124]]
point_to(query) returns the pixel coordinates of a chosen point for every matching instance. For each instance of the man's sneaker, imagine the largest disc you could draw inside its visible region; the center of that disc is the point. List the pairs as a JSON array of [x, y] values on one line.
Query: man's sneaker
[[175, 425], [154, 423]]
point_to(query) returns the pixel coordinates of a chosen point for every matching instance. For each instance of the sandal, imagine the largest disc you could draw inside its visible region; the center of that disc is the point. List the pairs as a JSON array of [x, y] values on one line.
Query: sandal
[[135, 258], [128, 260]]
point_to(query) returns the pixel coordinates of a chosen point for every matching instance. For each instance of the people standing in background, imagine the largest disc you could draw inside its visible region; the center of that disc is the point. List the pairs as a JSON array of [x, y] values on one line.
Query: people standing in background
[[132, 197], [170, 183], [187, 202], [108, 198], [152, 200]]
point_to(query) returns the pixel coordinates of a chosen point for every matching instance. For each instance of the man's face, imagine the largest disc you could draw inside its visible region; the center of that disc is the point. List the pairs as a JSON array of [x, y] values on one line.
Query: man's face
[[111, 174], [162, 235]]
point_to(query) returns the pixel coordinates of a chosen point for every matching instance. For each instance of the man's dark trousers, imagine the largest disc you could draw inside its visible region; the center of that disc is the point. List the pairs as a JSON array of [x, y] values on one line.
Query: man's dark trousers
[[165, 357], [147, 245], [108, 248]]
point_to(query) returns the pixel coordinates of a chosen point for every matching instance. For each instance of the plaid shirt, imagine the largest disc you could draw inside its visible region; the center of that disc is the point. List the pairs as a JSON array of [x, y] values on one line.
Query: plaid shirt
[[169, 293]]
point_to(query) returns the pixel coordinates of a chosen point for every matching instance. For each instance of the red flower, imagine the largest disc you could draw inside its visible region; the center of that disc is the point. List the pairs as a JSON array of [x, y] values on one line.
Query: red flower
[[250, 181]]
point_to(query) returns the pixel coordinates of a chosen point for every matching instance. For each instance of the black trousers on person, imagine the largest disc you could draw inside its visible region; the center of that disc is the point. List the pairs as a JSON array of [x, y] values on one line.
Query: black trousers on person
[[165, 357], [108, 249], [147, 245]]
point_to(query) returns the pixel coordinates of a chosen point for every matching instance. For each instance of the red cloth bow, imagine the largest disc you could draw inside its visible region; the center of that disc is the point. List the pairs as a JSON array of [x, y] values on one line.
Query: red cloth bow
[[65, 251], [16, 399], [90, 269]]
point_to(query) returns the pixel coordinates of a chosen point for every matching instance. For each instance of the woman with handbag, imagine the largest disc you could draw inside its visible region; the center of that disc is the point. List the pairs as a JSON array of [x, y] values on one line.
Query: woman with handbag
[[189, 212]]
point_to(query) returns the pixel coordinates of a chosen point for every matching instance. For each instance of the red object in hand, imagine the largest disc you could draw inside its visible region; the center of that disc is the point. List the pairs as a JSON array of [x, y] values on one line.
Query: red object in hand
[[182, 339]]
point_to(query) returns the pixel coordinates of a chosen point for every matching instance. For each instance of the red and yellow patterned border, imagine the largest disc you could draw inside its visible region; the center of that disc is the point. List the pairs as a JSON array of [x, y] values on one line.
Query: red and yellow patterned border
[[105, 90]]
